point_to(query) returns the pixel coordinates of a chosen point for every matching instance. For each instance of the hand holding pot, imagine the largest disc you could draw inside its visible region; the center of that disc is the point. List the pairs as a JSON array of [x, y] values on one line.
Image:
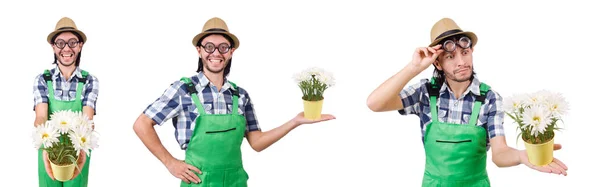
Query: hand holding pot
[[299, 119], [80, 164], [556, 166]]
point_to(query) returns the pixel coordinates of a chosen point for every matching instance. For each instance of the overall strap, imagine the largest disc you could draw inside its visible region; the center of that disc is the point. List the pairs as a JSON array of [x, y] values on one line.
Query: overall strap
[[433, 89], [479, 100], [48, 78], [194, 93], [81, 82], [236, 94]]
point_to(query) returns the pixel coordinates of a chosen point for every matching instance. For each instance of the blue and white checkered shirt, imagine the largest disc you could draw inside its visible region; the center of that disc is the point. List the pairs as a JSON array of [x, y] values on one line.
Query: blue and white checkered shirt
[[65, 90], [176, 103], [415, 99]]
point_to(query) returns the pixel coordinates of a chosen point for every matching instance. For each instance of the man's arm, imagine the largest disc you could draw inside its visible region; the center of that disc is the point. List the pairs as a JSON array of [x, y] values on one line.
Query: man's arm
[[41, 114], [385, 97], [261, 140], [144, 129], [505, 156]]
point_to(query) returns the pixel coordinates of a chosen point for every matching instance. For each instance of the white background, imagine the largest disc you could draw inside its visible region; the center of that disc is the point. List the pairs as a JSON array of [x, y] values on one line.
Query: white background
[[137, 49]]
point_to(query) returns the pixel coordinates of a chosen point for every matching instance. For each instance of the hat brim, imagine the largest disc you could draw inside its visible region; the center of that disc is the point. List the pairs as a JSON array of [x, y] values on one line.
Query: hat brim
[[236, 42], [471, 35], [52, 34]]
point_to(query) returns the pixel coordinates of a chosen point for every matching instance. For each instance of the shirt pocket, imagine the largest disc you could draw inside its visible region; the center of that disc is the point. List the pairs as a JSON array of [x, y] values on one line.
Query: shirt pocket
[[230, 109]]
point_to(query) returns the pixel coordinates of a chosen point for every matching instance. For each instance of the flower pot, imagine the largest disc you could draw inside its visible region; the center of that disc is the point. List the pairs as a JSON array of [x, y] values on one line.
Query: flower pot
[[540, 154], [62, 173], [312, 109]]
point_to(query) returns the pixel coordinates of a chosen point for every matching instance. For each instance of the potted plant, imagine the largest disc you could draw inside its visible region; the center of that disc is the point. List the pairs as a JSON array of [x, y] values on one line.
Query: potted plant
[[63, 137], [537, 115], [313, 82]]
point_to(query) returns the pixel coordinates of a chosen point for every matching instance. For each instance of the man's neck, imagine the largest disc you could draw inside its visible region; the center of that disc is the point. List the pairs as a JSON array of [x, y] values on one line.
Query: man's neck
[[215, 78], [458, 87], [67, 71]]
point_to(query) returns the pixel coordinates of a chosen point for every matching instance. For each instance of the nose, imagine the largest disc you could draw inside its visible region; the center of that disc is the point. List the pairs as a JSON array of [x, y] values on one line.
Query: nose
[[460, 60]]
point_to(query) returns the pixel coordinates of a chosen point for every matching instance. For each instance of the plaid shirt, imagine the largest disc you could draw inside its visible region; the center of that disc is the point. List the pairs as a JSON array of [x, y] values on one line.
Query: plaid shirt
[[176, 103], [451, 110], [65, 90]]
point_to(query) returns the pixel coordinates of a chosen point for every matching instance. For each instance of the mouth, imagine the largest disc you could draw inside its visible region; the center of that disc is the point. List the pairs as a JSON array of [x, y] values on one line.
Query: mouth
[[216, 61], [66, 55], [462, 70]]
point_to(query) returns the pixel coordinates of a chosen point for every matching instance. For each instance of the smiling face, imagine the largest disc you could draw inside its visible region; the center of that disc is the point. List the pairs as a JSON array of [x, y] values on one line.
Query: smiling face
[[215, 61], [67, 47]]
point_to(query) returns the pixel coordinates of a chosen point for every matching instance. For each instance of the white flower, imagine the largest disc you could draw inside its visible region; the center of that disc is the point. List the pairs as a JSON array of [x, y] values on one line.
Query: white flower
[[82, 119], [535, 99], [302, 77], [326, 78], [557, 104], [83, 139], [63, 120], [513, 103], [537, 118], [45, 134]]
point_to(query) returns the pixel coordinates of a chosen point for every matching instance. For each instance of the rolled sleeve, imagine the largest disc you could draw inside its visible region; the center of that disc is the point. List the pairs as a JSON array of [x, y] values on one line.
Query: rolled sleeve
[[495, 115], [90, 95], [40, 91], [411, 98], [167, 106], [251, 121]]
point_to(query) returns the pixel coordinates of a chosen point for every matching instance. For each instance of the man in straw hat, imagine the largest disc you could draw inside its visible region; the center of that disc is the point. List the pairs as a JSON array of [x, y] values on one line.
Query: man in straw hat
[[64, 87], [461, 117], [211, 116]]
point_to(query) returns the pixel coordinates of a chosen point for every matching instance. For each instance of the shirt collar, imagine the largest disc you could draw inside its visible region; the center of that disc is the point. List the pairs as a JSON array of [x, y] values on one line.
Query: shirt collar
[[473, 87], [58, 74], [203, 82]]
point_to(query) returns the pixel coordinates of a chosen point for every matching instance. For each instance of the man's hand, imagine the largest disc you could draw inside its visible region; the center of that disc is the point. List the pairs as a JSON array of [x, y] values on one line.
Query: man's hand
[[80, 163], [299, 119], [423, 57], [47, 164], [184, 171], [556, 166]]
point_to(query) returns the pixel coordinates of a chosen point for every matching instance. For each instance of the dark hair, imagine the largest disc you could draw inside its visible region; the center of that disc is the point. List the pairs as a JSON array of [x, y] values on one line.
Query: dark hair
[[201, 64], [439, 74], [78, 55]]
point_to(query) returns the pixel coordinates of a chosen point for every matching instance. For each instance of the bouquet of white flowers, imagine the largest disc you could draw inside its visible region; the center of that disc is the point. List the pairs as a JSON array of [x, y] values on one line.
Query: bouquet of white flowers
[[63, 137], [313, 82], [537, 115]]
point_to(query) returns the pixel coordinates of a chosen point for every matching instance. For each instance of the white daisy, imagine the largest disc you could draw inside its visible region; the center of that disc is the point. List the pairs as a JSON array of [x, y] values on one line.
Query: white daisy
[[537, 118], [45, 134], [513, 103], [83, 139], [63, 120], [557, 104]]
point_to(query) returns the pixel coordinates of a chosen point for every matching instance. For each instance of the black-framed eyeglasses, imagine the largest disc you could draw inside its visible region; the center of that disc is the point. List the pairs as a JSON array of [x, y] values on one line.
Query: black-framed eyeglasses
[[450, 45], [210, 47], [60, 43]]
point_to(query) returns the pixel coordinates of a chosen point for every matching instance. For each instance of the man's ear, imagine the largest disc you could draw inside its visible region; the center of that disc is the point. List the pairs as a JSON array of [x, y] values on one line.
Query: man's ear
[[198, 49], [437, 64]]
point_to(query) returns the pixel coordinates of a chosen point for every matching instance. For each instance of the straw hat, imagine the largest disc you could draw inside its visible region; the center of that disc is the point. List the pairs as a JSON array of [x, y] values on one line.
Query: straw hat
[[216, 25], [445, 28], [65, 24]]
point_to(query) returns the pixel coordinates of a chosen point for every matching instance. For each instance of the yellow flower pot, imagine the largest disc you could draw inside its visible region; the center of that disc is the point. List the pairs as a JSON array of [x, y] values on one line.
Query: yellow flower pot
[[540, 154], [312, 109], [62, 173]]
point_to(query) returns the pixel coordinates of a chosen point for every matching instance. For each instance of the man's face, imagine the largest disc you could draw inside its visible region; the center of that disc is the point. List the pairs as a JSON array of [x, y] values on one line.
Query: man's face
[[457, 65], [71, 46], [215, 62]]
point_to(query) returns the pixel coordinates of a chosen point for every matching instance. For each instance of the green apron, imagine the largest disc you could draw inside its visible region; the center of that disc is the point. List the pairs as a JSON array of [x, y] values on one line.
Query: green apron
[[53, 106], [455, 153], [215, 146]]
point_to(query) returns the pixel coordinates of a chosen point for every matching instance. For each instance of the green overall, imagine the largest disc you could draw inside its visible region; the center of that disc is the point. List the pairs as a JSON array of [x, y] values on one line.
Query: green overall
[[53, 106], [215, 146], [455, 153]]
